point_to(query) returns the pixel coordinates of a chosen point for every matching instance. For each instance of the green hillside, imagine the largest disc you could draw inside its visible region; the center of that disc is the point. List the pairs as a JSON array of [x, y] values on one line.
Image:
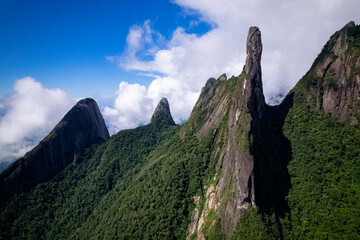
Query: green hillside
[[325, 176], [163, 181], [59, 208]]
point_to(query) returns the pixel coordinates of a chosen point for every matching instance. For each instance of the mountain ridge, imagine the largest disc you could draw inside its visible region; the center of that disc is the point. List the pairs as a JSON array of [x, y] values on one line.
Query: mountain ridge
[[237, 169]]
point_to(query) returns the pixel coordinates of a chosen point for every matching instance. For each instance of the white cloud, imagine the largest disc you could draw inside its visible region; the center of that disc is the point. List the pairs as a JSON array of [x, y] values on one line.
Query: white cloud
[[293, 33], [141, 37], [131, 107], [135, 104], [30, 114]]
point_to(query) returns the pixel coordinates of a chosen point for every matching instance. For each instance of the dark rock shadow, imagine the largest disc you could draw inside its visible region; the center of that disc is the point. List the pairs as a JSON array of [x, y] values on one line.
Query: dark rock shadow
[[272, 152]]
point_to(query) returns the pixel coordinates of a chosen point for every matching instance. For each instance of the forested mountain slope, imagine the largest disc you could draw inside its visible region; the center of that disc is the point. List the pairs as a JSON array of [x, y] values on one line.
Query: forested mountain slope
[[323, 129], [237, 169]]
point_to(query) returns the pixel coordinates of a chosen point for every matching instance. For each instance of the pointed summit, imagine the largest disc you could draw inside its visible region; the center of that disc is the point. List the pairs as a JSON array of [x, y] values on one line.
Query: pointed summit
[[81, 127], [253, 88], [238, 164], [223, 77], [162, 112]]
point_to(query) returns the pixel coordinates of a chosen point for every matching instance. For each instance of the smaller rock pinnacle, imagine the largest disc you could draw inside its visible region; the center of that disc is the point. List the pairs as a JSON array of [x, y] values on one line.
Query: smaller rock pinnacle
[[163, 110]]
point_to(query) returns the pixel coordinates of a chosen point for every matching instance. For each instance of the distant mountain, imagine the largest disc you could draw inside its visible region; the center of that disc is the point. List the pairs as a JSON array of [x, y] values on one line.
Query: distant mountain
[[237, 169], [162, 113], [81, 127]]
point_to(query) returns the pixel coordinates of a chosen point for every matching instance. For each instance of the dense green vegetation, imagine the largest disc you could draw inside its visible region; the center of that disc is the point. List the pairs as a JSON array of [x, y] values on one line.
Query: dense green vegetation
[[141, 183], [322, 199], [138, 185], [354, 41], [253, 225], [330, 80], [212, 228], [55, 209], [325, 176]]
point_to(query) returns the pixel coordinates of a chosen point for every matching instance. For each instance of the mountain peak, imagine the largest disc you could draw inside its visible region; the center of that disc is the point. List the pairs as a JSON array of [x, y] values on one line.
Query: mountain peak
[[336, 81], [81, 127], [253, 89], [162, 110], [223, 77], [341, 43], [87, 111], [253, 50]]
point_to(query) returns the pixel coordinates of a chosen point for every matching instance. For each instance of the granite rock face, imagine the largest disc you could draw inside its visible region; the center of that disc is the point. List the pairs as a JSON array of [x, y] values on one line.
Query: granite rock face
[[208, 92], [162, 111], [227, 110], [253, 89], [81, 127], [212, 101], [234, 114], [247, 106], [338, 71]]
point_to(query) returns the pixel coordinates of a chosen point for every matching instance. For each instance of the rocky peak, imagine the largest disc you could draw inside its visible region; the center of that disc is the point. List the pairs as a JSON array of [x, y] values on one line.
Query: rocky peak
[[81, 127], [223, 77], [253, 89], [253, 51], [87, 111], [337, 69], [162, 110], [209, 90], [241, 107], [209, 83], [246, 108], [341, 43]]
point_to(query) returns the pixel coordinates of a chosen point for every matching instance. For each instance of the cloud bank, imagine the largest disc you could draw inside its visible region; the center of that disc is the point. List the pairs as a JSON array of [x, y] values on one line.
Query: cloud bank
[[28, 115]]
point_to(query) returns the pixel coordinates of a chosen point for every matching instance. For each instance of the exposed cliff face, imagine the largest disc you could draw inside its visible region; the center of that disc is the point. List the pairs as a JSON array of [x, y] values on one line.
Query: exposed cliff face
[[227, 109], [82, 126], [253, 90], [213, 102], [162, 112], [247, 105], [253, 165], [338, 71]]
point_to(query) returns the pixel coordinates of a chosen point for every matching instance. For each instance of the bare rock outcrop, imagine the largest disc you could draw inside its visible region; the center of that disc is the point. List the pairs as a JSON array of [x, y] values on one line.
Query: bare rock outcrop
[[253, 89], [81, 127], [235, 113], [238, 164], [228, 111], [339, 72], [213, 103]]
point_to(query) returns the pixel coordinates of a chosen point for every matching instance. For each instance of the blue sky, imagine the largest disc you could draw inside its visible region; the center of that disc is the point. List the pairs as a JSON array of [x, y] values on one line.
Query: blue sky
[[63, 44], [127, 55]]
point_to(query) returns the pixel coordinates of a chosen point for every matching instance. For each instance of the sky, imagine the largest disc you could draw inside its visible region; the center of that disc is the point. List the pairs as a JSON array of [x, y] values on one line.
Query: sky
[[127, 55]]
